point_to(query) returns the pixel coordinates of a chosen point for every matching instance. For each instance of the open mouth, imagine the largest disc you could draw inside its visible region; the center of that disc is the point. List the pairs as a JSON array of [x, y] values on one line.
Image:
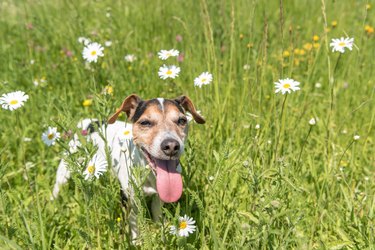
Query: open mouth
[[168, 179]]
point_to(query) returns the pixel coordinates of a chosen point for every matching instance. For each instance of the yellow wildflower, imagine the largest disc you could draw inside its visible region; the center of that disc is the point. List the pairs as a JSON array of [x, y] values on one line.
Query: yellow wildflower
[[307, 46], [368, 6], [108, 90], [315, 38], [87, 102], [369, 29], [299, 52], [286, 53], [241, 36], [316, 45], [334, 24]]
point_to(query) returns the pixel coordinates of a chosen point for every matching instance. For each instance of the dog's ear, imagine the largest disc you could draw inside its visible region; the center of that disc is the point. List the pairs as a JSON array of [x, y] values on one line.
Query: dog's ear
[[128, 106], [188, 105]]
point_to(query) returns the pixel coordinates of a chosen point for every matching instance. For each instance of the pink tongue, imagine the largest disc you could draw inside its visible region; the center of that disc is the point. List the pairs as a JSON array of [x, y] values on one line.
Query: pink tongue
[[168, 180]]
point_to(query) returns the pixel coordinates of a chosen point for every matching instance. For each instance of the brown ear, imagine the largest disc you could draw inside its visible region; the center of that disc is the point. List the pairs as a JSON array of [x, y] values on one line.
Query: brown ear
[[188, 105], [128, 106]]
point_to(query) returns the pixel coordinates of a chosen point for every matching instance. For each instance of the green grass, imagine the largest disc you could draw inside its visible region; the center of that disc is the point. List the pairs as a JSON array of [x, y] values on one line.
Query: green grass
[[262, 196]]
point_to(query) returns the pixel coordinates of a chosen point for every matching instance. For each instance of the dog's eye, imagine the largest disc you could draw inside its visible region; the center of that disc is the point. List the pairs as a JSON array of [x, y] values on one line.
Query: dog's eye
[[182, 121], [146, 123]]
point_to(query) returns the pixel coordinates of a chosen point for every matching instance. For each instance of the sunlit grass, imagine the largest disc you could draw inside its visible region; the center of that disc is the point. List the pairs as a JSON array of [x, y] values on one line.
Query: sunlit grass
[[282, 184]]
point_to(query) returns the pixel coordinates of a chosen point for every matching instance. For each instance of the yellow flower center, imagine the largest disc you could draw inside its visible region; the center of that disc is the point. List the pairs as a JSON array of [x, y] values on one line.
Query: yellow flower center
[[91, 169], [93, 53], [286, 86], [204, 79], [50, 136], [342, 44], [13, 102], [169, 72], [126, 132], [183, 224]]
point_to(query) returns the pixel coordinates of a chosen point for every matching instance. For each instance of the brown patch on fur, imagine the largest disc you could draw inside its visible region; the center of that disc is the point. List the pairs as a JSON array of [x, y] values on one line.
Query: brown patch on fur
[[173, 114], [155, 122]]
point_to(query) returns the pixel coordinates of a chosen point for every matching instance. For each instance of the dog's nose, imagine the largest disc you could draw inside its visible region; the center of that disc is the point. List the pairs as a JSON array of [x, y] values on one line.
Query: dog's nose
[[170, 147]]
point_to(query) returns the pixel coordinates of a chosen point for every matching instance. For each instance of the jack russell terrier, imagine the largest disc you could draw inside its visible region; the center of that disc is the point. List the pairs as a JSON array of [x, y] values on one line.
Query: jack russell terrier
[[159, 128]]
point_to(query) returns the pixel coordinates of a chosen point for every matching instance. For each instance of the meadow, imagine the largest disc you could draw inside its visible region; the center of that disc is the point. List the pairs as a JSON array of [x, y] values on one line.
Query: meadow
[[267, 170]]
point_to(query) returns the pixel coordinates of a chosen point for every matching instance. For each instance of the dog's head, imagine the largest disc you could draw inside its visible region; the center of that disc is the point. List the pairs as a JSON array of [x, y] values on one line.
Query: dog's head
[[159, 130]]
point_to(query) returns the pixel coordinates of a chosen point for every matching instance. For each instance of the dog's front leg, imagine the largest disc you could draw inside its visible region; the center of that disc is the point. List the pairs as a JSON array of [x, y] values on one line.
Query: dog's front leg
[[133, 225], [62, 177]]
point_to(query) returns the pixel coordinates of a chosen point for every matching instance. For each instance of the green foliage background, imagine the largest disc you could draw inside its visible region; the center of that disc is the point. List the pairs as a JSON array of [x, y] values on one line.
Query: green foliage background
[[285, 185]]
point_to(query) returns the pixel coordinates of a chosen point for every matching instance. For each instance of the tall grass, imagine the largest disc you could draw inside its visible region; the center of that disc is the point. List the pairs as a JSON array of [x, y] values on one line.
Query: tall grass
[[284, 185]]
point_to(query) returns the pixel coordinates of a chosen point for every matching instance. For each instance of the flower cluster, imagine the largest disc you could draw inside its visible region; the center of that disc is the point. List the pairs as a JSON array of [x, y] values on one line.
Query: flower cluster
[[172, 71]]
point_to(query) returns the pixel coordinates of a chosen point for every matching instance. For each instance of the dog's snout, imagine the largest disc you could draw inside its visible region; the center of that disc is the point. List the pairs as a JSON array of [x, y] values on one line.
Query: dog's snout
[[170, 147]]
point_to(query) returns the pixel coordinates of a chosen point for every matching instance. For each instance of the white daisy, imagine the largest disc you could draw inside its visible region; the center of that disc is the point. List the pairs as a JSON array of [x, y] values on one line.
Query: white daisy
[[185, 227], [108, 43], [84, 40], [312, 121], [96, 167], [74, 144], [169, 72], [257, 126], [203, 79], [92, 51], [125, 133], [342, 43], [356, 137], [286, 86], [13, 100], [165, 54], [50, 136], [130, 58]]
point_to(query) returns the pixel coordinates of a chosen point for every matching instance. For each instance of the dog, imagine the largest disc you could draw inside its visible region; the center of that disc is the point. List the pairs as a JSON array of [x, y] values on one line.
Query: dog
[[159, 129]]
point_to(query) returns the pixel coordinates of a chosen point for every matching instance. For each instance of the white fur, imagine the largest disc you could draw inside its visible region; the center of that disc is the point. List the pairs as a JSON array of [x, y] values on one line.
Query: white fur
[[161, 101], [154, 148], [124, 155]]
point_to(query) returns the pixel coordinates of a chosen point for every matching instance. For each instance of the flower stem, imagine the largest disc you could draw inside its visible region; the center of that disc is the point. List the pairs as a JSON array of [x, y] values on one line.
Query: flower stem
[[303, 145], [346, 149], [282, 126]]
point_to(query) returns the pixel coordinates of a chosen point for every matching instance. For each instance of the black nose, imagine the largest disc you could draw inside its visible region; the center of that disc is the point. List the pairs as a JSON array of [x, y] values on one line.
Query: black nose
[[170, 147]]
